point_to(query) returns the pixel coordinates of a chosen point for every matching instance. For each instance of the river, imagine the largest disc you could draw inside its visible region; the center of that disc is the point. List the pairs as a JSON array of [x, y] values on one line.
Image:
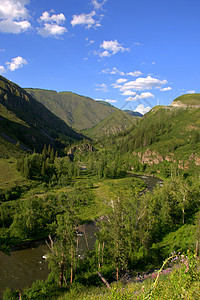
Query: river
[[24, 266]]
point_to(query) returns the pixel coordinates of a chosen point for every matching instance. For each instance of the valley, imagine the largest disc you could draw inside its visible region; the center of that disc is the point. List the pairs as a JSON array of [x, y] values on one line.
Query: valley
[[67, 160]]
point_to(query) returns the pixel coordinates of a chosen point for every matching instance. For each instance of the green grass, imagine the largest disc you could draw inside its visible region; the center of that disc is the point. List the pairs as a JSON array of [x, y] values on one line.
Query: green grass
[[189, 99], [9, 176]]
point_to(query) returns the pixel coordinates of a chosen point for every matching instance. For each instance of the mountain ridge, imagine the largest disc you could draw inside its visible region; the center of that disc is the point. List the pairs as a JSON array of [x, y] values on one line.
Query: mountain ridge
[[78, 111], [115, 123], [26, 120]]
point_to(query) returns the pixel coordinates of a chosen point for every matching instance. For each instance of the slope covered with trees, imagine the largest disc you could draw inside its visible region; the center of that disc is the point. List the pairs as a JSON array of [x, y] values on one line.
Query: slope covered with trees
[[111, 125], [138, 227]]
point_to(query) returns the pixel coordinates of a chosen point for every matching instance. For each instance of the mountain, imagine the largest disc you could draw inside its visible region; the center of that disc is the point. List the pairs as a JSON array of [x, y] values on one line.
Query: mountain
[[117, 122], [192, 100], [24, 119], [105, 103], [77, 111], [167, 134], [133, 113]]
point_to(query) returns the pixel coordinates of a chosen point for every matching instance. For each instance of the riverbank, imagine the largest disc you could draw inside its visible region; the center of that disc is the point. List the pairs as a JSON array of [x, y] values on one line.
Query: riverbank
[[104, 191]]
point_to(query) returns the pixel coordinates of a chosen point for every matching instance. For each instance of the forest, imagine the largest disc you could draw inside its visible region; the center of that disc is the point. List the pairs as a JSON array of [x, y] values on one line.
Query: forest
[[137, 229]]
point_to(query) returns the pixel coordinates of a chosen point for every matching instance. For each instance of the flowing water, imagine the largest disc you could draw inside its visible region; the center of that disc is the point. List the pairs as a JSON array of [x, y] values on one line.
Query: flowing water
[[24, 266]]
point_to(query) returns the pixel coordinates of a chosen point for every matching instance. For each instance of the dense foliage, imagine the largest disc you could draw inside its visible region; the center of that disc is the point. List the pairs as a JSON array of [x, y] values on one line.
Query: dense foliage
[[137, 228]]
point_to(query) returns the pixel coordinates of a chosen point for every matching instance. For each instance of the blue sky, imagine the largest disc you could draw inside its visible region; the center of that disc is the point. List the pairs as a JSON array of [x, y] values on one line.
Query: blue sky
[[133, 54]]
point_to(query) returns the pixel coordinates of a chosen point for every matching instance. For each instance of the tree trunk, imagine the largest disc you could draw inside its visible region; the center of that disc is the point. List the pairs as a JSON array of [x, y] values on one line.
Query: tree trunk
[[76, 253], [117, 263], [104, 280], [61, 274], [102, 254], [85, 238], [72, 264], [197, 244], [99, 249]]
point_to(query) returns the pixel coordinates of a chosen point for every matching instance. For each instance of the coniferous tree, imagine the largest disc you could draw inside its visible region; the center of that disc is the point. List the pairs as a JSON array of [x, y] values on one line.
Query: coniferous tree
[[43, 169], [49, 151], [52, 155], [44, 152]]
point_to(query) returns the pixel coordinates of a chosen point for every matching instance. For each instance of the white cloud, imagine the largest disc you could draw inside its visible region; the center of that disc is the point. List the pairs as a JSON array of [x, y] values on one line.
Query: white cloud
[[113, 71], [143, 96], [12, 9], [111, 48], [89, 42], [166, 89], [102, 87], [116, 71], [191, 92], [86, 20], [10, 26], [13, 15], [116, 86], [51, 30], [52, 25], [134, 74], [110, 101], [137, 44], [121, 80], [98, 5], [58, 19], [143, 84], [16, 63], [140, 97], [104, 54], [141, 109], [2, 70], [129, 93]]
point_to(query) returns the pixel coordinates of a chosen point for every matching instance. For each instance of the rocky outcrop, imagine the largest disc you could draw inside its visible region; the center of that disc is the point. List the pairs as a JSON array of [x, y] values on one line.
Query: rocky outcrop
[[194, 157], [150, 157], [81, 148], [183, 105], [153, 157]]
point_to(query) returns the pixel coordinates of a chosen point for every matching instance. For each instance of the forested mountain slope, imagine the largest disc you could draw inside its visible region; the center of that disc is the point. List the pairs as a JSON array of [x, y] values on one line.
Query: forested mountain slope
[[166, 134], [77, 111], [24, 119], [113, 124]]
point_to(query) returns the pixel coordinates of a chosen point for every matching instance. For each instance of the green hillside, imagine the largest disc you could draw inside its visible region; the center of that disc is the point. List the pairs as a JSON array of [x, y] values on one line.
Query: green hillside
[[77, 111], [26, 120], [167, 135], [188, 99], [113, 124]]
